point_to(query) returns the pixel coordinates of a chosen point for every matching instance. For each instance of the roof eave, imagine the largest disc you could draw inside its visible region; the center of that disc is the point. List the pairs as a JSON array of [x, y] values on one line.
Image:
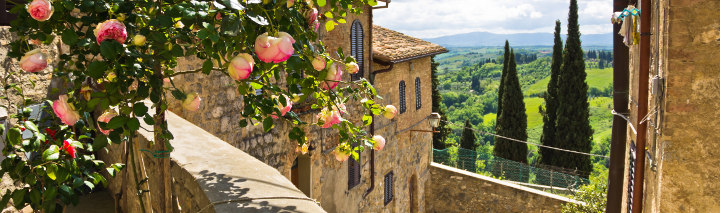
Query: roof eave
[[383, 61]]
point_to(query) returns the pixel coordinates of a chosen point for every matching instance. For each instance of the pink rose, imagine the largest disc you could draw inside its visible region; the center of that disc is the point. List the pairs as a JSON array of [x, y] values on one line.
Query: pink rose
[[192, 102], [69, 149], [65, 111], [353, 68], [318, 63], [111, 29], [390, 112], [312, 16], [241, 66], [33, 61], [333, 77], [340, 155], [340, 108], [283, 109], [329, 117], [40, 10], [272, 49], [379, 142], [105, 118]]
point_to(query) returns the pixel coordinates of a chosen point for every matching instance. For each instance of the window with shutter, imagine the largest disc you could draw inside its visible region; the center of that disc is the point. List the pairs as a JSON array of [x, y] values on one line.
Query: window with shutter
[[5, 16], [353, 171], [631, 176], [418, 101], [356, 47], [388, 187], [402, 97]]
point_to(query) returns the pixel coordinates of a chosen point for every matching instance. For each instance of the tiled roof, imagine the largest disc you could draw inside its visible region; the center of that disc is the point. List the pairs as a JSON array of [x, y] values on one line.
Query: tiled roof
[[393, 46]]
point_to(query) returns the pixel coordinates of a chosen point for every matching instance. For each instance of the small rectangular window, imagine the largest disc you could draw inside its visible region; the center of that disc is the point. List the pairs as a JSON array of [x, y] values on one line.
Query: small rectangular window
[[353, 171], [402, 97], [418, 101], [388, 187]]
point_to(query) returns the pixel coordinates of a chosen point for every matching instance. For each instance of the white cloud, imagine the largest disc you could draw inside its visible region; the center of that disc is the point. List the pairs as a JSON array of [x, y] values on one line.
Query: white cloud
[[433, 18]]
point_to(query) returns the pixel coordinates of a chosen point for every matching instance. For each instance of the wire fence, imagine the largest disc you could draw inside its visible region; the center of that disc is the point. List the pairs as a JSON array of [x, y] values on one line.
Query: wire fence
[[504, 169]]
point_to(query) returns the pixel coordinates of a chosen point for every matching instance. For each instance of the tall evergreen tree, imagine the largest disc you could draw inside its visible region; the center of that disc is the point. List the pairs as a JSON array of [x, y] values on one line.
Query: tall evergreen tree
[[506, 58], [467, 155], [572, 129], [550, 112], [512, 122], [444, 131]]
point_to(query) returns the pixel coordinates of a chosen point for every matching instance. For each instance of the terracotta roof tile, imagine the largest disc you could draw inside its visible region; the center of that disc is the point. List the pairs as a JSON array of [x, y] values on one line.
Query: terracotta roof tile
[[393, 46]]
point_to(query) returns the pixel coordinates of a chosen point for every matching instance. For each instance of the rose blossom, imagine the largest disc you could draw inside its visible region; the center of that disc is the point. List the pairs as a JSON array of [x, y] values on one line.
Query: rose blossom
[[390, 111], [333, 77], [318, 63], [283, 109], [192, 102], [353, 68], [379, 142], [312, 16], [241, 66], [105, 118], [272, 49], [69, 148], [33, 61], [341, 156], [111, 29], [329, 117], [65, 111], [40, 10]]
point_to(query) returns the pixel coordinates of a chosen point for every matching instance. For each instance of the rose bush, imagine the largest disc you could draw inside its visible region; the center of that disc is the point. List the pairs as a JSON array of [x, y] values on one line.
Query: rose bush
[[112, 84]]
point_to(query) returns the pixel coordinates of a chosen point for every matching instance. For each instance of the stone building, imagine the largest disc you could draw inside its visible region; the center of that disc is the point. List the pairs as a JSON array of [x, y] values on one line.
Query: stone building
[[679, 88]]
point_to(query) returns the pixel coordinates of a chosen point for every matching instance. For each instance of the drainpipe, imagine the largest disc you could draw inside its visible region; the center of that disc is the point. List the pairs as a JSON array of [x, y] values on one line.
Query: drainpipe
[[639, 179], [372, 124], [618, 142]]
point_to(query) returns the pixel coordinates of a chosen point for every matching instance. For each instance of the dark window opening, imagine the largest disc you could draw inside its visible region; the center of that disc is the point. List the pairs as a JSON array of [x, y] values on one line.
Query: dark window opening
[[402, 97], [356, 47], [353, 171], [418, 102], [5, 16], [388, 187]]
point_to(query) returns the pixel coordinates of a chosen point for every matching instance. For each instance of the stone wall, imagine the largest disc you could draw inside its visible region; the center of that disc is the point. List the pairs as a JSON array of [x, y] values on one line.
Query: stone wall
[[455, 190], [681, 171]]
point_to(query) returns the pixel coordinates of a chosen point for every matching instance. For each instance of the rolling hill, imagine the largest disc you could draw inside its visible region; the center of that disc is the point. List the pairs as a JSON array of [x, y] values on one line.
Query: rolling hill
[[486, 39]]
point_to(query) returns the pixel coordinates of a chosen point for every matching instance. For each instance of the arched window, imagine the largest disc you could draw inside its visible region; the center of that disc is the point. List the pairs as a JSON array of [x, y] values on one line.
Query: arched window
[[357, 47], [402, 97], [418, 101]]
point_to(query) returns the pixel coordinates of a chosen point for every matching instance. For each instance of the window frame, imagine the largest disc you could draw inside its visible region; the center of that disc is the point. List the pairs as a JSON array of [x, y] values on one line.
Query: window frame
[[357, 47], [418, 94], [403, 104], [389, 188]]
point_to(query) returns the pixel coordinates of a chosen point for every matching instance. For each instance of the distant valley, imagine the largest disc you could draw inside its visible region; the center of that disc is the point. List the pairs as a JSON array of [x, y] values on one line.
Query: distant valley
[[485, 39]]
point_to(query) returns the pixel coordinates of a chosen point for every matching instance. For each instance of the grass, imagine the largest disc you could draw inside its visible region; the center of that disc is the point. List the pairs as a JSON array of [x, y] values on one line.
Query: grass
[[534, 118], [596, 78]]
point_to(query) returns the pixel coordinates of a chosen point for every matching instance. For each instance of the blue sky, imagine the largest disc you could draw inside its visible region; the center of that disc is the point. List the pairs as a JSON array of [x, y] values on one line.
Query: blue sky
[[434, 18]]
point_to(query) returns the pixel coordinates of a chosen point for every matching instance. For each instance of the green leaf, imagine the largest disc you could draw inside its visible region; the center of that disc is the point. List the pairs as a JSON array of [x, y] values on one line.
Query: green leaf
[[89, 185], [330, 25], [31, 126], [69, 37], [321, 3], [267, 124], [50, 171], [207, 66], [256, 85], [35, 196], [100, 141], [5, 198], [203, 34], [367, 120], [328, 14], [97, 69], [14, 136], [177, 94], [116, 122], [19, 197], [133, 124], [140, 109], [52, 153], [110, 49]]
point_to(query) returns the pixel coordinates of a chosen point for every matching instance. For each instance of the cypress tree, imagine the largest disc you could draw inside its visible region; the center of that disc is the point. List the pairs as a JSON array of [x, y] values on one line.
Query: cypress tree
[[572, 129], [512, 122], [467, 155], [549, 114], [444, 131], [506, 58]]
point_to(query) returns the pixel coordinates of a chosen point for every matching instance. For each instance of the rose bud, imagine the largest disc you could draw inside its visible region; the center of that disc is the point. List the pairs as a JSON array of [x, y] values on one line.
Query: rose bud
[[33, 61], [167, 80], [40, 10], [105, 118], [192, 102], [111, 29], [329, 117], [390, 112], [65, 111], [341, 156], [241, 66], [333, 77], [283, 108], [139, 40], [272, 49], [69, 149], [353, 68], [379, 142], [218, 16], [318, 63]]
